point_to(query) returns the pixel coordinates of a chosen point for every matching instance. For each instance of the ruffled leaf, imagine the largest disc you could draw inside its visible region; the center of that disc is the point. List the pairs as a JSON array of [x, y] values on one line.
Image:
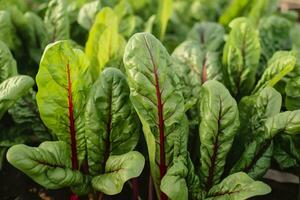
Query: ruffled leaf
[[158, 102], [118, 170], [48, 165], [209, 35], [181, 182], [112, 126], [255, 160], [87, 13], [219, 123], [63, 84], [57, 20], [237, 186], [241, 56], [105, 46], [292, 91], [279, 65], [8, 65], [12, 89]]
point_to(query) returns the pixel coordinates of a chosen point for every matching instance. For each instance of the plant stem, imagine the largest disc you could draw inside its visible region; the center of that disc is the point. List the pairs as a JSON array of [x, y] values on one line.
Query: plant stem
[[150, 188], [100, 196], [135, 189], [74, 196]]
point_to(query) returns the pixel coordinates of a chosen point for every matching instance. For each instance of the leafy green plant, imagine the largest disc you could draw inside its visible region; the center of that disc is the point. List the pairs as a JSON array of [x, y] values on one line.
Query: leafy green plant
[[96, 127], [158, 100]]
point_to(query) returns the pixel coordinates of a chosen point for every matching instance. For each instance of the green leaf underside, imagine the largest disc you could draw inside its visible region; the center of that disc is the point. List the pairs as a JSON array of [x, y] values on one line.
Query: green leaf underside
[[48, 165], [238, 186]]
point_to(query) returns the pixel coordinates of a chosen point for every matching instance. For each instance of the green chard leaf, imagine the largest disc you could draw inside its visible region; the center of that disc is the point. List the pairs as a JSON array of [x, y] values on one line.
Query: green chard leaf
[[8, 65], [180, 181], [105, 46], [63, 84], [240, 57], [48, 165], [209, 35], [164, 12], [118, 170], [194, 67], [37, 37], [235, 9], [255, 160], [87, 14], [254, 110], [110, 119], [273, 32], [237, 186], [112, 128], [57, 20], [13, 89], [8, 32], [259, 107], [25, 113], [158, 102], [292, 91], [219, 123], [281, 63], [287, 151]]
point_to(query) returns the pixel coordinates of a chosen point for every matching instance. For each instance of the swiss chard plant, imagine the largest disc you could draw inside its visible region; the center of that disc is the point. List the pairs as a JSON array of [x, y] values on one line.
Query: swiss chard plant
[[94, 123], [155, 92]]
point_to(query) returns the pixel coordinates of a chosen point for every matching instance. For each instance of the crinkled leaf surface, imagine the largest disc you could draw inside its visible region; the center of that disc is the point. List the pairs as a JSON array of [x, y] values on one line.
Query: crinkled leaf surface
[[281, 63], [253, 111], [255, 160], [8, 31], [57, 20], [237, 186], [12, 89], [25, 113], [112, 126], [273, 32], [181, 182], [63, 84], [219, 122], [292, 91], [8, 65], [209, 35], [48, 165], [87, 13], [105, 46], [287, 151], [195, 66], [118, 170], [158, 102], [240, 57]]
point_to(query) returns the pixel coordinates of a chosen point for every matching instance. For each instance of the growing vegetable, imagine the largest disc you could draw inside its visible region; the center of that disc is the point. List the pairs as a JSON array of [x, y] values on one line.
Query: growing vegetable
[[72, 111]]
